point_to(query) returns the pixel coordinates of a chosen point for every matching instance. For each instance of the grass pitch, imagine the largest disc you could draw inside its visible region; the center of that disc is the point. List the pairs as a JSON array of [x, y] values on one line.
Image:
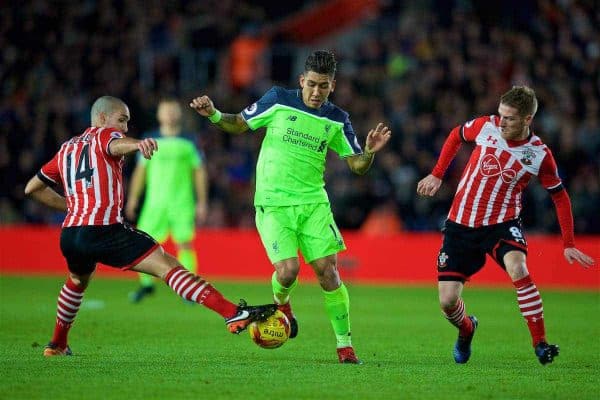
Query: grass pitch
[[165, 349]]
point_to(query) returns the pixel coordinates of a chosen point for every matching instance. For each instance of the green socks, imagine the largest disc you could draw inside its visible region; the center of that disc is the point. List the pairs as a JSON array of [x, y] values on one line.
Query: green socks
[[188, 259], [281, 294], [146, 280], [337, 304]]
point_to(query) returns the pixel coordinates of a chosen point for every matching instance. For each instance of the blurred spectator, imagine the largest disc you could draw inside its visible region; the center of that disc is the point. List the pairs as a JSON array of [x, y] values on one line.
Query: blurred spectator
[[425, 67], [245, 58]]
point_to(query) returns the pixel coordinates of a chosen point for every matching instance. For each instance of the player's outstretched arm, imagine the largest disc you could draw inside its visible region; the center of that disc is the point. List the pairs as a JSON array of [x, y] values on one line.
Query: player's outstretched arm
[[429, 185], [231, 123], [376, 140], [41, 192], [124, 146], [562, 204], [574, 254]]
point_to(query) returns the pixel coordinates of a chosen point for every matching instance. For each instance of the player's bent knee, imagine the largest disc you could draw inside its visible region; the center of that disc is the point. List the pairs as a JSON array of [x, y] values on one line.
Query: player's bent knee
[[286, 275], [517, 271], [287, 272], [449, 292], [286, 280], [329, 280], [448, 300], [447, 305]]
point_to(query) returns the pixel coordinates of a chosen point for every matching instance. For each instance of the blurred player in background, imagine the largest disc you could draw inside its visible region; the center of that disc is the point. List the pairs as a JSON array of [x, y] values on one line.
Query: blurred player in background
[[484, 217], [176, 191], [292, 206], [89, 168]]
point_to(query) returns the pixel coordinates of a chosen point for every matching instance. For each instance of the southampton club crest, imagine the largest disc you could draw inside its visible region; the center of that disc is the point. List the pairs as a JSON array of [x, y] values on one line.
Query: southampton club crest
[[442, 258], [528, 155]]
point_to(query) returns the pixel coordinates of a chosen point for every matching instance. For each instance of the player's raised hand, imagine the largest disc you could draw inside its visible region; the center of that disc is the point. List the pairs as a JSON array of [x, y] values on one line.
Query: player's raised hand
[[203, 106], [429, 185], [377, 138], [147, 147], [574, 254]]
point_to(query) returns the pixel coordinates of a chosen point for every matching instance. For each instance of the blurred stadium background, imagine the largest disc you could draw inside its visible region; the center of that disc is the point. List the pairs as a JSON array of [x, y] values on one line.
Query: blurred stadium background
[[423, 67]]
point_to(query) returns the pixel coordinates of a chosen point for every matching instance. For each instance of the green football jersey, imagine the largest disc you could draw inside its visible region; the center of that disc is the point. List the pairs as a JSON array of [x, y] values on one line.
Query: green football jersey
[[291, 163], [170, 173]]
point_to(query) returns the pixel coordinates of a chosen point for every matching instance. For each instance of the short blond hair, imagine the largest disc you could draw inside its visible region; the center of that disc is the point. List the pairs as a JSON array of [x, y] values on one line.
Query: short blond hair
[[522, 98]]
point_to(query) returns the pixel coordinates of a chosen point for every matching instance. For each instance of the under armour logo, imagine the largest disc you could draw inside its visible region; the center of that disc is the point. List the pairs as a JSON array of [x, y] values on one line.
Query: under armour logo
[[490, 166], [492, 140]]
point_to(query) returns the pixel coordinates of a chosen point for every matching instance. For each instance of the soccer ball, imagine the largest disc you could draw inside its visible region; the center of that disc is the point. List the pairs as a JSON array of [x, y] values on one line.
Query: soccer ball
[[272, 332]]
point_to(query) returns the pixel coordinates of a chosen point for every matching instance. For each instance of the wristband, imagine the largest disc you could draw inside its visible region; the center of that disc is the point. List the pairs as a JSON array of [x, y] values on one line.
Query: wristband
[[216, 117]]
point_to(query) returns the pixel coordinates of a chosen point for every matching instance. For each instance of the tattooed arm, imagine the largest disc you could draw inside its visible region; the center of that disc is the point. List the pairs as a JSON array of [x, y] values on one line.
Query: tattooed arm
[[232, 123], [376, 140]]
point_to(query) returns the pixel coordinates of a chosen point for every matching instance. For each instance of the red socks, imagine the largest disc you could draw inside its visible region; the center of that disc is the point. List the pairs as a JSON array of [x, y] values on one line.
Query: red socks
[[457, 317], [69, 300], [530, 304], [193, 288]]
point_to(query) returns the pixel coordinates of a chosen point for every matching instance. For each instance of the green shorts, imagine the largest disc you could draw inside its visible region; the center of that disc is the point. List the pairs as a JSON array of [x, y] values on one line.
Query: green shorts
[[308, 227], [179, 222]]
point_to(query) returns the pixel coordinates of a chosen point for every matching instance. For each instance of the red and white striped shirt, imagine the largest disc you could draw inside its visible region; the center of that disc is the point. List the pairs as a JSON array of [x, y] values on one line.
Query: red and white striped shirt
[[489, 191], [91, 176]]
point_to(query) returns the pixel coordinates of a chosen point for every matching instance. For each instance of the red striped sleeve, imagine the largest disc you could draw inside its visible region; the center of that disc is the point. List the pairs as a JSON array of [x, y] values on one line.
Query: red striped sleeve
[[50, 171], [449, 150], [562, 203], [105, 136]]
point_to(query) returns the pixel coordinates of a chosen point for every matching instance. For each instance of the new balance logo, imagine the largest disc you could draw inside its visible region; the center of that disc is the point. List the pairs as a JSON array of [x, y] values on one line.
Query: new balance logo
[[322, 146], [292, 118]]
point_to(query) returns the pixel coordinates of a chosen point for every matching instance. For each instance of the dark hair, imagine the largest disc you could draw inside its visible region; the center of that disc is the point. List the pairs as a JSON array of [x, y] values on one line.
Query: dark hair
[[321, 62], [522, 98]]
